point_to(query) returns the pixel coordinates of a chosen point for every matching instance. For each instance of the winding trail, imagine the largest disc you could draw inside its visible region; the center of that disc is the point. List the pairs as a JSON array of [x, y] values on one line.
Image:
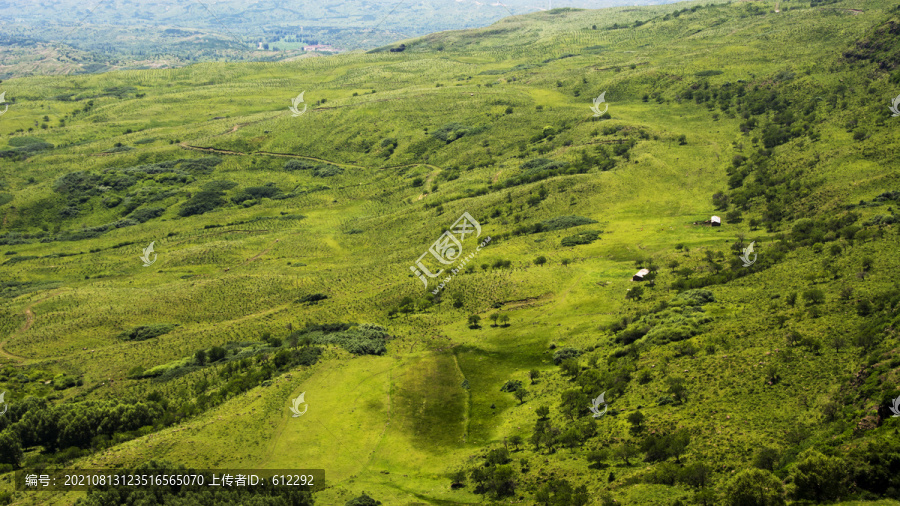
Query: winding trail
[[261, 253], [29, 321]]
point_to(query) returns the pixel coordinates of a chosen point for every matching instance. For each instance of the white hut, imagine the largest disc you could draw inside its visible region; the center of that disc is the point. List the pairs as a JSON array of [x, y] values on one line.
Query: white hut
[[715, 221], [640, 275]]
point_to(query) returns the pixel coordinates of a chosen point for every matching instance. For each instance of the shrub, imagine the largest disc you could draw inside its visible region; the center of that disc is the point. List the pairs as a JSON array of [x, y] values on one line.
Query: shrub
[[363, 500], [819, 478], [146, 214], [144, 332], [813, 296], [586, 237], [365, 339], [697, 297], [754, 487], [511, 386], [539, 169], [202, 202], [312, 298], [255, 192], [565, 353]]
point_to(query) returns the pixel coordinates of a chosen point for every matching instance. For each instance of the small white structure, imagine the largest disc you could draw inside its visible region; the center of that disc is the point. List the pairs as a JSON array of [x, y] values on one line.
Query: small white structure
[[640, 275], [715, 221]]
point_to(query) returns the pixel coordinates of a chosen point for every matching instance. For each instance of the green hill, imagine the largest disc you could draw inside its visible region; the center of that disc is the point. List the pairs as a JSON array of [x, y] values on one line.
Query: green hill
[[285, 249]]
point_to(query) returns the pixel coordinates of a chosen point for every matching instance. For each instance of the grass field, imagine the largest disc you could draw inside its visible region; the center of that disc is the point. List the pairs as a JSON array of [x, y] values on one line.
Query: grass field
[[393, 148]]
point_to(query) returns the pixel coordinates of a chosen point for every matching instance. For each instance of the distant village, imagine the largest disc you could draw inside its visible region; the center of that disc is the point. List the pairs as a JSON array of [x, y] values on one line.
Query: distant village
[[319, 48]]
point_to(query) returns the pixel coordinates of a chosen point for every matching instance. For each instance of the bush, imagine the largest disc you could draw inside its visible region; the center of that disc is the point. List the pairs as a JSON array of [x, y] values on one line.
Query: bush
[[144, 332], [312, 298], [586, 237], [819, 478], [453, 131], [539, 169], [203, 165], [202, 202], [511, 386], [146, 214], [363, 500], [813, 296], [255, 192], [697, 297], [365, 339], [670, 333], [754, 487], [565, 353]]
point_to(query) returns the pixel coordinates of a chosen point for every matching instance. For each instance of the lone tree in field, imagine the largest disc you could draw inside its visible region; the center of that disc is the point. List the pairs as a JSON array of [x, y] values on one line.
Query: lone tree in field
[[200, 357], [520, 395], [494, 318], [515, 440], [504, 320], [541, 260], [473, 321], [533, 375]]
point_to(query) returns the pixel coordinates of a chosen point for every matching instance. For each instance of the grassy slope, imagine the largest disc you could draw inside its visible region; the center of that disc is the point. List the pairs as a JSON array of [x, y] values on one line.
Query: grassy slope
[[404, 413]]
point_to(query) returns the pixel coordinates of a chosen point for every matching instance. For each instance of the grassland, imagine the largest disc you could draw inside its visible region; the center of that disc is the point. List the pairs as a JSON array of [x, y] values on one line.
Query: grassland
[[761, 371]]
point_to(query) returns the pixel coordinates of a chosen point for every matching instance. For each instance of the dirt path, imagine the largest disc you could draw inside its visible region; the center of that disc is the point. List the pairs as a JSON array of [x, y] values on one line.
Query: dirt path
[[261, 253], [29, 321]]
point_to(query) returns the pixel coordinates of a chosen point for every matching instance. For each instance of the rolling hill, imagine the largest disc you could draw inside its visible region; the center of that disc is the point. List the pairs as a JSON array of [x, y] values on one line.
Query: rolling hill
[[285, 250]]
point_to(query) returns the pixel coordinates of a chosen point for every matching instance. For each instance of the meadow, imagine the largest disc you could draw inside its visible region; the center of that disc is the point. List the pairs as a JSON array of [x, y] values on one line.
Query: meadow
[[269, 227]]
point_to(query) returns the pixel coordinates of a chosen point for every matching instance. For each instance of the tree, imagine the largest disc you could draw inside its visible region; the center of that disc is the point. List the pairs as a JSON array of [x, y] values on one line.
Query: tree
[[677, 389], [819, 478], [216, 353], [766, 458], [838, 342], [504, 320], [10, 449], [598, 457], [542, 412], [754, 487], [200, 357], [696, 475], [813, 296], [721, 201], [493, 318], [363, 500], [570, 367], [624, 451], [520, 395], [635, 293], [473, 321], [533, 375], [636, 420], [678, 443], [573, 402], [515, 440], [541, 260]]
